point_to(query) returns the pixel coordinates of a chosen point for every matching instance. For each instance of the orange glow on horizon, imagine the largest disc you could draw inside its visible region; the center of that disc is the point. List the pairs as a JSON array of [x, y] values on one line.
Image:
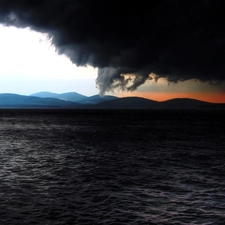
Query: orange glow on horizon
[[163, 96]]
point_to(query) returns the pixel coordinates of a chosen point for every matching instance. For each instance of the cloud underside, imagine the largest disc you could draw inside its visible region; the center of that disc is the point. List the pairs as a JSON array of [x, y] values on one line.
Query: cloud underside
[[176, 40]]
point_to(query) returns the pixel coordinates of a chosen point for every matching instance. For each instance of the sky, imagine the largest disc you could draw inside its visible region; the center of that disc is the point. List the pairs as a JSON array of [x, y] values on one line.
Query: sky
[[29, 64], [164, 50]]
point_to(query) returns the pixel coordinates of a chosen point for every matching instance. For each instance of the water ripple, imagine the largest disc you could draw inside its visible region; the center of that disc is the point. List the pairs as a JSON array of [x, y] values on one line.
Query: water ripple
[[150, 167]]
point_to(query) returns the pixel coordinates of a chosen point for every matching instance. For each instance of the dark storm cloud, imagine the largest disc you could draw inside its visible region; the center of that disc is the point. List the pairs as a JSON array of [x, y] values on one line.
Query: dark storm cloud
[[174, 39]]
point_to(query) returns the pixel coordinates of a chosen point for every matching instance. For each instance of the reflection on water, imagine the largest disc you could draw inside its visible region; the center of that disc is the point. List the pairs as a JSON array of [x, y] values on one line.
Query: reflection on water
[[112, 167]]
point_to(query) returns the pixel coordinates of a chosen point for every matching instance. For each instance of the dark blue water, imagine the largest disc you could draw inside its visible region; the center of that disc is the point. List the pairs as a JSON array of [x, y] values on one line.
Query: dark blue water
[[112, 167]]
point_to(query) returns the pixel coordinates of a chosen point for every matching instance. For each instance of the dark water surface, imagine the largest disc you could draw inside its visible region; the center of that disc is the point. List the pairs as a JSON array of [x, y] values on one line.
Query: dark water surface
[[112, 167]]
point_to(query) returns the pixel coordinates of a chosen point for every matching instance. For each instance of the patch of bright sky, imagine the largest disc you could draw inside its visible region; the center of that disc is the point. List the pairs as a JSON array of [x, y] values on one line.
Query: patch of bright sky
[[192, 85], [30, 64]]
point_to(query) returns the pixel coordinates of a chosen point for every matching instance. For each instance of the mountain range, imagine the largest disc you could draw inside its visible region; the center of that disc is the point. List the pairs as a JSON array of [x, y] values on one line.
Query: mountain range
[[77, 101], [74, 97]]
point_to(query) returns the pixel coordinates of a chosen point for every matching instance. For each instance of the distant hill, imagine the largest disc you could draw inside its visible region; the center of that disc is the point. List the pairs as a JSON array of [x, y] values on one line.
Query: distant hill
[[69, 96], [188, 103], [142, 103], [21, 101], [97, 102], [127, 103], [183, 103], [45, 94], [75, 97], [96, 99]]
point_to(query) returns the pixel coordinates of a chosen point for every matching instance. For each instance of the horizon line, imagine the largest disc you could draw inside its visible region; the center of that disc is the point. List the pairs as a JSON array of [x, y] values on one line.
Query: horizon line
[[133, 96]]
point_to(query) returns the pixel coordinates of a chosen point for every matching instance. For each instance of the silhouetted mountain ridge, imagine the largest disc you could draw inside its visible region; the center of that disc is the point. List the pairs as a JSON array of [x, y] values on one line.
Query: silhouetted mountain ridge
[[96, 99], [8, 100], [68, 96], [142, 103], [127, 103], [74, 97]]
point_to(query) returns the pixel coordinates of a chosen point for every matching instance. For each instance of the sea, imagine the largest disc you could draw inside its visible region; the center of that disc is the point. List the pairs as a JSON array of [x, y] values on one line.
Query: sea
[[112, 167]]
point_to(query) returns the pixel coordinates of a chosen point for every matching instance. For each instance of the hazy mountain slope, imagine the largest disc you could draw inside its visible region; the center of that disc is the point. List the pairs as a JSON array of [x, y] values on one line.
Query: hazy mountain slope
[[14, 100], [21, 101], [72, 96], [45, 94], [96, 99], [127, 103], [75, 97], [69, 96]]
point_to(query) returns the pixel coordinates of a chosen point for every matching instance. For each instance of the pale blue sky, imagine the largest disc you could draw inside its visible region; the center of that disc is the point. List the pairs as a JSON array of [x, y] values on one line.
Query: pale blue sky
[[30, 64]]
